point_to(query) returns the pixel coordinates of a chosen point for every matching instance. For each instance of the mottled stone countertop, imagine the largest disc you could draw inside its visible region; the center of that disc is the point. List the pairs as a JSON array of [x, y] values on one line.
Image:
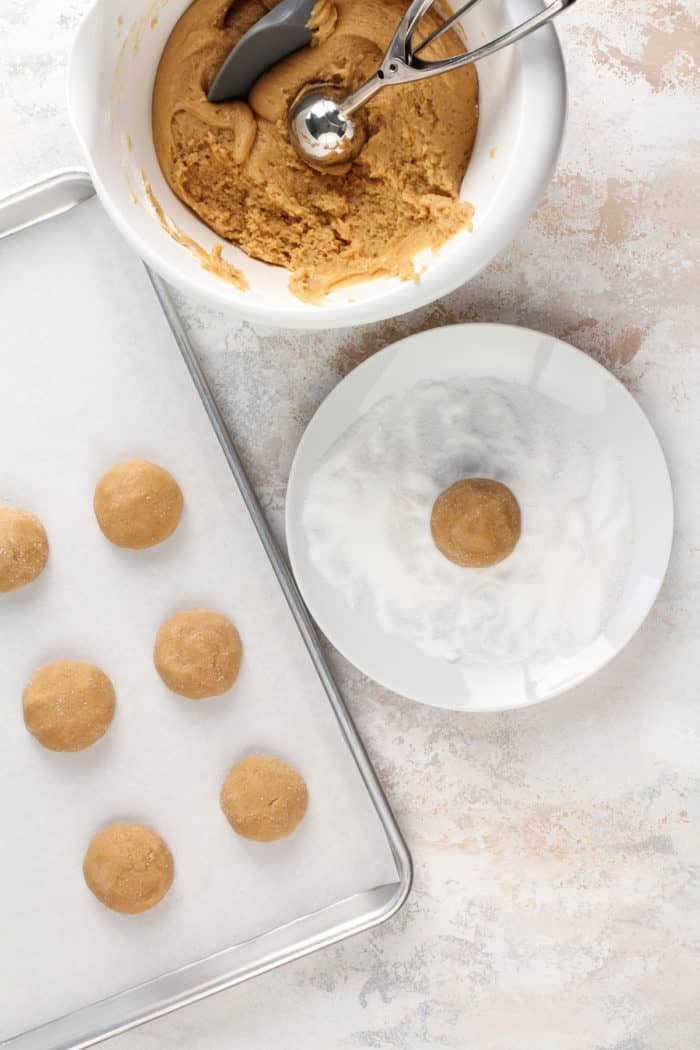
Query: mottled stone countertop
[[557, 849]]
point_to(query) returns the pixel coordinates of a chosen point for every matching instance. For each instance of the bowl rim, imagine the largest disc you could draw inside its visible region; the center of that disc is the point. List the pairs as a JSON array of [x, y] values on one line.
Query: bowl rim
[[544, 72]]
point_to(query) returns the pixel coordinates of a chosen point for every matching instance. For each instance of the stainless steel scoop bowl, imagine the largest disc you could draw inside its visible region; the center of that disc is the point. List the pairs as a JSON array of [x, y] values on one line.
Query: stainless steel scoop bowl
[[322, 124]]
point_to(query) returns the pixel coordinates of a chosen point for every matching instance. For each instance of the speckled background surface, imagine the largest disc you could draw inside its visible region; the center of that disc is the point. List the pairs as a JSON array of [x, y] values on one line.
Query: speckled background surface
[[557, 849]]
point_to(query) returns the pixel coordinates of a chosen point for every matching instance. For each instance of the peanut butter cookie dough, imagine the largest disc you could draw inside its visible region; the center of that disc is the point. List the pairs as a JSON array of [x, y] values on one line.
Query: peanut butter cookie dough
[[137, 504], [68, 705], [24, 548], [476, 522], [128, 867], [198, 653], [263, 798], [233, 165]]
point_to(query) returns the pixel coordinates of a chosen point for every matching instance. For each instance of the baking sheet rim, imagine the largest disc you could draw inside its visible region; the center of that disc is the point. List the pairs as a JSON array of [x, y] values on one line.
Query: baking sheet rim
[[29, 205]]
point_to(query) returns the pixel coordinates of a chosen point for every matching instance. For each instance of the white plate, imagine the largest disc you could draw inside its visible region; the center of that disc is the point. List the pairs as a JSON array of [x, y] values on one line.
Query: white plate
[[592, 397]]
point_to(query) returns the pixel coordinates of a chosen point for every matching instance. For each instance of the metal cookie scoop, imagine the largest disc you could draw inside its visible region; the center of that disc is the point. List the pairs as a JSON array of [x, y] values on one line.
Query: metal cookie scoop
[[321, 125]]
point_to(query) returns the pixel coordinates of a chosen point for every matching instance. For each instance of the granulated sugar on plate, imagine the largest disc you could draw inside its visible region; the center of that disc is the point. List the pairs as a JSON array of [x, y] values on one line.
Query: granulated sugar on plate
[[367, 519]]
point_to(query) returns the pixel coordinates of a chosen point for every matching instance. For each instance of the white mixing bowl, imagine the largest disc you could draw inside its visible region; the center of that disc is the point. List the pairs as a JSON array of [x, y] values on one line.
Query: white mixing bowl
[[522, 111]]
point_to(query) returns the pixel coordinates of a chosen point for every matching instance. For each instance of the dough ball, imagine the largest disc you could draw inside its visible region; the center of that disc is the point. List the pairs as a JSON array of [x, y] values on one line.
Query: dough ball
[[476, 522], [137, 504], [68, 705], [128, 867], [198, 653], [263, 798], [24, 548]]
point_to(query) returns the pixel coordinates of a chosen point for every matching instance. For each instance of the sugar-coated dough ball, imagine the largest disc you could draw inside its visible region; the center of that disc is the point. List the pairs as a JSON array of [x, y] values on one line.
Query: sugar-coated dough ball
[[476, 522], [68, 705], [24, 548], [198, 653], [263, 798], [128, 867], [137, 504]]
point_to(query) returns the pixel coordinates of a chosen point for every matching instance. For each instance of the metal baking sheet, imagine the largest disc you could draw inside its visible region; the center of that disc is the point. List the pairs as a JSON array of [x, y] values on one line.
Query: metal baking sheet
[[96, 368]]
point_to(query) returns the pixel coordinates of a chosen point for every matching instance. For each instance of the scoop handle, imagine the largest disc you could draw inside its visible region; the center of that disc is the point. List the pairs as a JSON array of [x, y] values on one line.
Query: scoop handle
[[401, 64]]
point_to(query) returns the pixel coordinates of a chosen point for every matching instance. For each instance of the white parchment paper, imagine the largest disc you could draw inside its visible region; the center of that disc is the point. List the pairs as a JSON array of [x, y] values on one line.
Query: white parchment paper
[[90, 375]]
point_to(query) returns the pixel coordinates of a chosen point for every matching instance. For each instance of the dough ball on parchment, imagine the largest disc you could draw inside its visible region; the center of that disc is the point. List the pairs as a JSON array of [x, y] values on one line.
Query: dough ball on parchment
[[198, 653], [24, 548], [138, 504], [263, 798], [476, 522], [68, 705], [128, 867]]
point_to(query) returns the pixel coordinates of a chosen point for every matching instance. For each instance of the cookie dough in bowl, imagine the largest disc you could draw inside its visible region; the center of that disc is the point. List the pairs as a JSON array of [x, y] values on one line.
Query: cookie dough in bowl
[[522, 97], [234, 166]]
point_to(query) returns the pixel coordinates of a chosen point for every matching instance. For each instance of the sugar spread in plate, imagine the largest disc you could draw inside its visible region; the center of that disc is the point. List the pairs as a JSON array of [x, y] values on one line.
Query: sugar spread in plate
[[367, 518]]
